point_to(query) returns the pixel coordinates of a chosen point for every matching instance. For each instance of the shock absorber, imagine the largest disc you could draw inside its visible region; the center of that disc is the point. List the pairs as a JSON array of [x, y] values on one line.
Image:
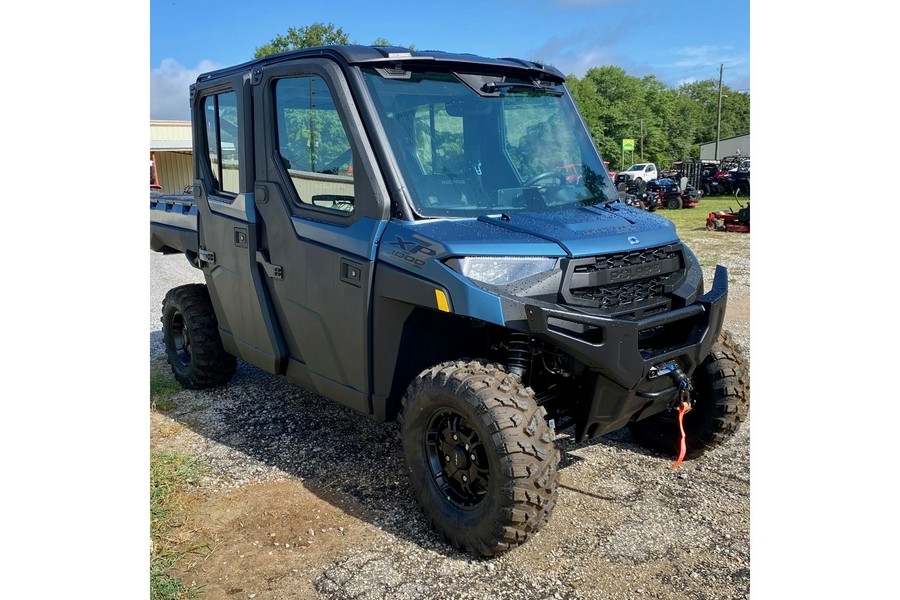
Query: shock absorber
[[518, 354]]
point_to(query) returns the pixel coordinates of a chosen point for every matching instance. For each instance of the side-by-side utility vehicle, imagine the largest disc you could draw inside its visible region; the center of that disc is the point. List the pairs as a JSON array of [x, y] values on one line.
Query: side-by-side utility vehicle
[[399, 231]]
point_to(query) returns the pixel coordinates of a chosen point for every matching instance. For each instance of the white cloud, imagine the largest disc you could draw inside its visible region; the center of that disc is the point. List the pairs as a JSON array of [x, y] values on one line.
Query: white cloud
[[577, 63], [700, 55], [695, 63], [170, 88], [575, 54]]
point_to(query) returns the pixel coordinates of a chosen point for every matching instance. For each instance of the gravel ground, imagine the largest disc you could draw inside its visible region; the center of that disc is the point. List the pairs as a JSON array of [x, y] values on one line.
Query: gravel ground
[[303, 498]]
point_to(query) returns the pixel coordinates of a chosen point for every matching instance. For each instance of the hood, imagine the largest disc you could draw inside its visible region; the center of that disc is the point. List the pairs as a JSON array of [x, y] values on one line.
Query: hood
[[586, 231], [592, 230]]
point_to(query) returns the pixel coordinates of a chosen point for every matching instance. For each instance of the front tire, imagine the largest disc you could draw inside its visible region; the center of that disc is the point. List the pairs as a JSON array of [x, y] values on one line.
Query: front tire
[[721, 404], [480, 455], [193, 345]]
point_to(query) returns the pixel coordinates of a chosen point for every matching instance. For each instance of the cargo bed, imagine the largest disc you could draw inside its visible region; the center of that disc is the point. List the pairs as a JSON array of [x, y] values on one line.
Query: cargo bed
[[173, 224]]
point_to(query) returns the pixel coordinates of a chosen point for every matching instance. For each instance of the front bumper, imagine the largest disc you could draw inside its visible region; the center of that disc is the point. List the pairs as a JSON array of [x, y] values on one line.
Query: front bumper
[[617, 385]]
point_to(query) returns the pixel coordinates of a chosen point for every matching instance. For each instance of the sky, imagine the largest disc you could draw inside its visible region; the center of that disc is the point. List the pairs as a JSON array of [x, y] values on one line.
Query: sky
[[677, 42]]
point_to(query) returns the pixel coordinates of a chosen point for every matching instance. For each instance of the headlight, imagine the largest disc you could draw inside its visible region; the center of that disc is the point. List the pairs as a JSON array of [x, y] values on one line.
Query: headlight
[[502, 270]]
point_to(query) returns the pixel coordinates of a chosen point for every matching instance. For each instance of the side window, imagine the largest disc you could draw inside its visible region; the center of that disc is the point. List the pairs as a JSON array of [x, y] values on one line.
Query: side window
[[313, 145], [221, 117]]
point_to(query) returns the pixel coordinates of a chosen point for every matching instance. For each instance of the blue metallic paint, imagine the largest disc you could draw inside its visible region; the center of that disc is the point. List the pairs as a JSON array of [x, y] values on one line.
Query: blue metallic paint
[[359, 238], [420, 247]]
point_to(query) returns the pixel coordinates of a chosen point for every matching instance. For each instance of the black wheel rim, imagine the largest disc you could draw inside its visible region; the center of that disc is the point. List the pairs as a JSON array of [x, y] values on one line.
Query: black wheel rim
[[181, 339], [457, 459]]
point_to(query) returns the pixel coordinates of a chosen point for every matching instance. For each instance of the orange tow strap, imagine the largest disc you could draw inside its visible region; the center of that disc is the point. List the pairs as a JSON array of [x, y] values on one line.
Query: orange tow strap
[[685, 406]]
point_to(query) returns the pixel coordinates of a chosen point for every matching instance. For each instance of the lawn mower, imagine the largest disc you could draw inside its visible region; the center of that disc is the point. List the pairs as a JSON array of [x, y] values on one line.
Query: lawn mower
[[730, 220]]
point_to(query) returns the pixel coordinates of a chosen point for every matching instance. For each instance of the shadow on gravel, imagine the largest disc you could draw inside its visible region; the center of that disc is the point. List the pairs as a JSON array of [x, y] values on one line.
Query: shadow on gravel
[[343, 457], [620, 439]]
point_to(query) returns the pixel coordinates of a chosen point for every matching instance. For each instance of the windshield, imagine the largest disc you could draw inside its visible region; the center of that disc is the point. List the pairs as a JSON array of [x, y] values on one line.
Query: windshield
[[513, 145], [636, 167]]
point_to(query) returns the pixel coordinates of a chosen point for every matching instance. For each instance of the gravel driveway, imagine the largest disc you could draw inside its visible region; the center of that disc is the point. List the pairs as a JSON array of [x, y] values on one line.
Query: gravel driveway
[[303, 498]]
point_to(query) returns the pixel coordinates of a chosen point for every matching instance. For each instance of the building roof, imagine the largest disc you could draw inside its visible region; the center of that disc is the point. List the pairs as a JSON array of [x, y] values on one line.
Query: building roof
[[170, 136], [171, 145]]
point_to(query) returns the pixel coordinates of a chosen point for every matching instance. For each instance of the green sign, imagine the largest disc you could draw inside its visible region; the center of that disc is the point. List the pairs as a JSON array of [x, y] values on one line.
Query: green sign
[[627, 145]]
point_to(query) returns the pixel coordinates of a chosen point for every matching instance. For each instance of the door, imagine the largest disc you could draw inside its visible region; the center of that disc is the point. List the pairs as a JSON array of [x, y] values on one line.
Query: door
[[322, 206], [223, 190]]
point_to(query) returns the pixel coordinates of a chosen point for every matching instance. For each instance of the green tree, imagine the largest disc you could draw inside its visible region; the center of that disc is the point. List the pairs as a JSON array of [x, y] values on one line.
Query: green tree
[[654, 115], [317, 34], [683, 128], [735, 110], [618, 111], [675, 122]]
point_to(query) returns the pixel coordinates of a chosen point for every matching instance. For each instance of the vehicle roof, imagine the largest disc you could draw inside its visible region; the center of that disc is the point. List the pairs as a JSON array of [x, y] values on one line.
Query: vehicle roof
[[390, 56]]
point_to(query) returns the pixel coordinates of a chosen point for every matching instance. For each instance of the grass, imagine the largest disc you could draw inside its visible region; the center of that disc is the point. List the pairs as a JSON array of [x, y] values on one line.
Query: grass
[[170, 474], [689, 220], [163, 387], [711, 247]]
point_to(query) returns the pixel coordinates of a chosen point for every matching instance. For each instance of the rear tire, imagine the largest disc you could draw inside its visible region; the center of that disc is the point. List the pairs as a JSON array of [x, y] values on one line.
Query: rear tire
[[480, 456], [193, 345], [673, 203], [721, 403]]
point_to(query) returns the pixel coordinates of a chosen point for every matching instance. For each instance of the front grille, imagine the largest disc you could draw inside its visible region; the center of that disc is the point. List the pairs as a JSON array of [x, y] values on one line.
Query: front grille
[[616, 296], [640, 257], [626, 283]]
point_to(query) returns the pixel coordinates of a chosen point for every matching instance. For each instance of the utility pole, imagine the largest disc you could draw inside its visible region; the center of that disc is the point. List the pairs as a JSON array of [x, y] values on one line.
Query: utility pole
[[719, 112], [642, 140]]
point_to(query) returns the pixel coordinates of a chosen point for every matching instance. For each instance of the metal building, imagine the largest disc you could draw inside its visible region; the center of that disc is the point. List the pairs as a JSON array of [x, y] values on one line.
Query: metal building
[[171, 155], [733, 146]]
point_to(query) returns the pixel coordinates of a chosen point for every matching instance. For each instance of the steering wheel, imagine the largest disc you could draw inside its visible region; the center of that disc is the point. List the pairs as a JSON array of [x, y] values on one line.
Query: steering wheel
[[539, 177]]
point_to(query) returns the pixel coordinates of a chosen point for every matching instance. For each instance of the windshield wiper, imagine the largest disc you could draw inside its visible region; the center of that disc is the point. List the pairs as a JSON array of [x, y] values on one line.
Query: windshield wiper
[[508, 86]]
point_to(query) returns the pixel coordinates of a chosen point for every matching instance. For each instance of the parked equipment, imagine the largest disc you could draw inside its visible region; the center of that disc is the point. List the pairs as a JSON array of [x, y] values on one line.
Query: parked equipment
[[729, 220]]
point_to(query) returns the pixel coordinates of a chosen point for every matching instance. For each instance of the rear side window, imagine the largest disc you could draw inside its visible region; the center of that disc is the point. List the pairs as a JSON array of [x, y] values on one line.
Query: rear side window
[[313, 146], [220, 112]]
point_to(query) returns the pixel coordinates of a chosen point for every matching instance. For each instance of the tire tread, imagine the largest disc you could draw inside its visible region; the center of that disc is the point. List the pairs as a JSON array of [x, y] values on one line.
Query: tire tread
[[519, 433], [210, 365]]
